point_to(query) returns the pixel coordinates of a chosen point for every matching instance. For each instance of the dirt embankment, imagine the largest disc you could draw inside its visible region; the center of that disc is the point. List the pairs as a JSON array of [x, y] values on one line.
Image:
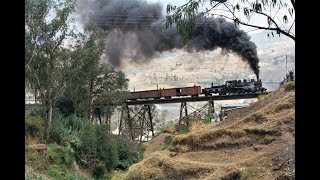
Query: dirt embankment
[[257, 142]]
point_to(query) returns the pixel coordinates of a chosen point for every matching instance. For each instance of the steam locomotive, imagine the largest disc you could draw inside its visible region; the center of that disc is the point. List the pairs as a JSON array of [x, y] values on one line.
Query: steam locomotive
[[236, 87], [230, 87]]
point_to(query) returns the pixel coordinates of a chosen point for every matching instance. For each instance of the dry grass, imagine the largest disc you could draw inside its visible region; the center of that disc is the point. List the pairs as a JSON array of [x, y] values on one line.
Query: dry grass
[[245, 146], [156, 143]]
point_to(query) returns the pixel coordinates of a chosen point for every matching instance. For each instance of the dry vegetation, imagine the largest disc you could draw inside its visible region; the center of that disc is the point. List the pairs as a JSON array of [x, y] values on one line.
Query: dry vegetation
[[252, 143]]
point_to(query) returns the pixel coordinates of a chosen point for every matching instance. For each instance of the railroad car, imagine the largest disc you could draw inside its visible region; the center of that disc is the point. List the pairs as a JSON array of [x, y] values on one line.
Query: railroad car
[[230, 87]]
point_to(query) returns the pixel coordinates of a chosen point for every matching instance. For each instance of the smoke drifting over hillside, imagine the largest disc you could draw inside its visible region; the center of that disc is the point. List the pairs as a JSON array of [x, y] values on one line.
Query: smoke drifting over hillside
[[136, 31]]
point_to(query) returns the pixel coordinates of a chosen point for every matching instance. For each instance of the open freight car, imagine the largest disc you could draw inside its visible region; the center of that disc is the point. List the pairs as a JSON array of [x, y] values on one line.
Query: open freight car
[[166, 93]]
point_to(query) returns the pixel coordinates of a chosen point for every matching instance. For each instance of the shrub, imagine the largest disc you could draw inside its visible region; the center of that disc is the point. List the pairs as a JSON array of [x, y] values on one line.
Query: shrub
[[207, 120], [34, 126], [66, 107], [74, 122], [56, 131], [87, 149], [38, 160], [128, 153], [65, 130], [289, 85], [99, 171], [107, 147], [61, 155], [57, 172], [183, 131]]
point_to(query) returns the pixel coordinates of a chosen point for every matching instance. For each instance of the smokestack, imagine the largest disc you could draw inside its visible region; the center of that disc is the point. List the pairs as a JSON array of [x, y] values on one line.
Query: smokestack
[[136, 31]]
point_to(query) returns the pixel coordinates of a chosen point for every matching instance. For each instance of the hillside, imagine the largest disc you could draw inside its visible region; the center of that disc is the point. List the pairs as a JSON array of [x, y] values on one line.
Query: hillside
[[256, 142]]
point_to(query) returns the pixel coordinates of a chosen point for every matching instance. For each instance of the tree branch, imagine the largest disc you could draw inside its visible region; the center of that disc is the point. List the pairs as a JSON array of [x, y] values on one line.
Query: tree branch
[[291, 26], [64, 89], [261, 27], [38, 82], [31, 57]]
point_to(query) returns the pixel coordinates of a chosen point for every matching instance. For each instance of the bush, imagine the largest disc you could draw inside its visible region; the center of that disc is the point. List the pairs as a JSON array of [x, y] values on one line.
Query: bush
[[56, 131], [66, 107], [207, 120], [57, 172], [34, 126], [128, 153], [65, 130], [183, 131], [87, 149], [107, 148], [61, 155], [99, 171], [38, 160], [289, 85], [74, 122]]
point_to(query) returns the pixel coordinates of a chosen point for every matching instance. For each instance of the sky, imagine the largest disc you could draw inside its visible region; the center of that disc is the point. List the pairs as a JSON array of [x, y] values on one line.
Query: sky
[[261, 20], [257, 19]]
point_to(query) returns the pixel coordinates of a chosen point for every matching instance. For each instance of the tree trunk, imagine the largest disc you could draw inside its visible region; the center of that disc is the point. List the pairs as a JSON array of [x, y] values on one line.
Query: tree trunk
[[89, 99], [48, 120], [35, 95], [99, 116]]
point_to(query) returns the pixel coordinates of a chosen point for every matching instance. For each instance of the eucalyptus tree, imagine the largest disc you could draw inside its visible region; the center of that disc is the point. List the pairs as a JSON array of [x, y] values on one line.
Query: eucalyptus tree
[[278, 16], [47, 60]]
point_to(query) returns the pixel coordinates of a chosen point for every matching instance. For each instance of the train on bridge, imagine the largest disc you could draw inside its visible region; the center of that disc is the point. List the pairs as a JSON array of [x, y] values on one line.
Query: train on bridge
[[229, 88]]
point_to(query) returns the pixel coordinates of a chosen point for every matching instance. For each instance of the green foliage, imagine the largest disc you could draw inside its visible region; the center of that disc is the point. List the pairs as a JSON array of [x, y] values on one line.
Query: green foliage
[[165, 146], [185, 17], [289, 85], [57, 131], [107, 148], [60, 155], [87, 150], [57, 172], [65, 130], [61, 173], [76, 176], [168, 143], [66, 106], [207, 120], [119, 175], [34, 177], [75, 123], [38, 160], [99, 171], [47, 60], [34, 126], [128, 153], [183, 131]]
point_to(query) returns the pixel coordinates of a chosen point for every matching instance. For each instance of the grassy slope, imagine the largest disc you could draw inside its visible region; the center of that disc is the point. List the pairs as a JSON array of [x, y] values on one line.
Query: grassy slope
[[252, 143]]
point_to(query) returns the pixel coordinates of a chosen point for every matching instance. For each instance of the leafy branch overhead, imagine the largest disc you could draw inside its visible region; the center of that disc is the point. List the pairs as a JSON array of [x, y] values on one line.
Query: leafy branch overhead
[[279, 15]]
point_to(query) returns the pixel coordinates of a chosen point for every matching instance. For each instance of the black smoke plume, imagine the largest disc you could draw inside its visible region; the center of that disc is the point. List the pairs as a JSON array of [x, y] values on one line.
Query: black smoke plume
[[137, 31]]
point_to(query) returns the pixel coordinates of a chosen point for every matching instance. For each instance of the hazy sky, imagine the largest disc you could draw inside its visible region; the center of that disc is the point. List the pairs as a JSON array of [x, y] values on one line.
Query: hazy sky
[[257, 19]]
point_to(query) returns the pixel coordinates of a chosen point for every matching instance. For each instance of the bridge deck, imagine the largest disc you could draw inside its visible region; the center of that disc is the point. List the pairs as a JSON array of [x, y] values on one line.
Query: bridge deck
[[189, 99]]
